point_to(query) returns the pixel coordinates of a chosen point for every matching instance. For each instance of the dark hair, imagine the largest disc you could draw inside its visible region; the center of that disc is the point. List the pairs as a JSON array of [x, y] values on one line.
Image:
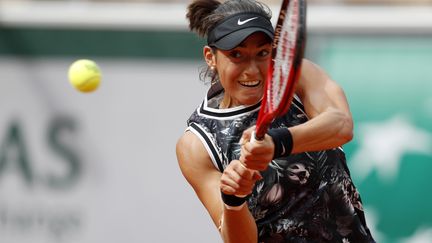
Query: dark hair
[[203, 15]]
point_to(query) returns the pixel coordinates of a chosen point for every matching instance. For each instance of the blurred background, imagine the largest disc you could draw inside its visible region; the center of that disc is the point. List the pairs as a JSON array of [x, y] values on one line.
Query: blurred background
[[101, 167]]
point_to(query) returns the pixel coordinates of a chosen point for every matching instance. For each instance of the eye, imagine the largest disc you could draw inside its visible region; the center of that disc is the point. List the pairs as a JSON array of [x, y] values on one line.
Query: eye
[[235, 54], [263, 53]]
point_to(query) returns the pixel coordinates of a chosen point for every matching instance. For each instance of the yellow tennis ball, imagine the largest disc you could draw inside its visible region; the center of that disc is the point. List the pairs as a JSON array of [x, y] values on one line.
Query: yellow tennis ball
[[85, 75]]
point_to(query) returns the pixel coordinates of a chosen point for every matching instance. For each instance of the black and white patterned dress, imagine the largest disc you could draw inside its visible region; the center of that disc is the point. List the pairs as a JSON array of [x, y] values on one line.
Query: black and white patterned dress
[[305, 197]]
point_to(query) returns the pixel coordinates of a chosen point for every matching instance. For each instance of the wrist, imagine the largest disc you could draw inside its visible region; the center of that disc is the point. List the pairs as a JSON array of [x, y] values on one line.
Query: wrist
[[235, 208], [232, 202], [283, 141]]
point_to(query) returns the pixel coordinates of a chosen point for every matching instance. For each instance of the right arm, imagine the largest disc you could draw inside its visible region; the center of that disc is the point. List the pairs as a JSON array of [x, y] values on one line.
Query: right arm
[[207, 182]]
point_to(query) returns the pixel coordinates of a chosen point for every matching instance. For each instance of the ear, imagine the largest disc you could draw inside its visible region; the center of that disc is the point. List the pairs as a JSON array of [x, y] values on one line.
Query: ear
[[209, 56]]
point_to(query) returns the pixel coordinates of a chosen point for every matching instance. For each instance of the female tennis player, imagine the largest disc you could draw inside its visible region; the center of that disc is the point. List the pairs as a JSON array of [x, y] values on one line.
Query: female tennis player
[[292, 186]]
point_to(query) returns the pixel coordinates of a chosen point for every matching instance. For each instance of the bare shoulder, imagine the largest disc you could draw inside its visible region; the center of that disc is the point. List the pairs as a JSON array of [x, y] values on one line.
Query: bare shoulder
[[193, 159], [312, 77], [312, 71], [190, 150]]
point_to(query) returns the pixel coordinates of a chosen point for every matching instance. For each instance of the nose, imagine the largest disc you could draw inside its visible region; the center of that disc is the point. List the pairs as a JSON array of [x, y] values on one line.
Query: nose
[[252, 70]]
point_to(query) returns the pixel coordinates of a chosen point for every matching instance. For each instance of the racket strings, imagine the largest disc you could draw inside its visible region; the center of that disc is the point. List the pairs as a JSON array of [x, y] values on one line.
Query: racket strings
[[283, 60]]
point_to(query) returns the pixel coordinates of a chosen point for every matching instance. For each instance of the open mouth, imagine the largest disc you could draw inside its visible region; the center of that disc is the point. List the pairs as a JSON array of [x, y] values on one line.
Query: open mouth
[[250, 84]]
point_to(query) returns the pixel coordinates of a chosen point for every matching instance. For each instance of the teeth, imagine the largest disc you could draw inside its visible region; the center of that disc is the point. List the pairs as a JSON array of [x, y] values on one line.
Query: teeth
[[250, 83]]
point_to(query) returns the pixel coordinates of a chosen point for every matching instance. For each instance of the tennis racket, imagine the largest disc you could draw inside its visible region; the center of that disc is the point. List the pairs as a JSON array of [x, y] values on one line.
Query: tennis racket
[[287, 55], [284, 71]]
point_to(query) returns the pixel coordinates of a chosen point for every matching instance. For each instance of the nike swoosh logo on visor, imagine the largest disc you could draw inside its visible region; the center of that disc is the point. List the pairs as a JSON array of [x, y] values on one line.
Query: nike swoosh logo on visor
[[240, 22]]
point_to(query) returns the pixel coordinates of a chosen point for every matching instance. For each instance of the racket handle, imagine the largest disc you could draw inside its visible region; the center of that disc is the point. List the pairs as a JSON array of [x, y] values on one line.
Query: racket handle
[[253, 138]]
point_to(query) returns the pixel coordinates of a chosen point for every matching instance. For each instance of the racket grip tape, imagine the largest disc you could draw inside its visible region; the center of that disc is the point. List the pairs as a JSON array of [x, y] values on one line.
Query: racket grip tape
[[283, 141]]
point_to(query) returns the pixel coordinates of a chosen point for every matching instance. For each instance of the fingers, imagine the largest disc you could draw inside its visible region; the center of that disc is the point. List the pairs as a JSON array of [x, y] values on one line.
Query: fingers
[[258, 154], [237, 179], [247, 134], [259, 146], [255, 162], [257, 175]]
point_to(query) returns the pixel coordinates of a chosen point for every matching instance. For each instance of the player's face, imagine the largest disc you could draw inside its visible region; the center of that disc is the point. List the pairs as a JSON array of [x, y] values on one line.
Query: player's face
[[242, 70]]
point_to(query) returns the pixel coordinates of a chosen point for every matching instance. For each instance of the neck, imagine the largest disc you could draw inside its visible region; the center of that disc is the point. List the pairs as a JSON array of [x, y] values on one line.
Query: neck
[[225, 103]]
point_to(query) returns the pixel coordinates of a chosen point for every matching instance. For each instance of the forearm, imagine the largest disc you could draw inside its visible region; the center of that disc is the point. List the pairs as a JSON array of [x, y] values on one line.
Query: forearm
[[238, 226], [330, 129]]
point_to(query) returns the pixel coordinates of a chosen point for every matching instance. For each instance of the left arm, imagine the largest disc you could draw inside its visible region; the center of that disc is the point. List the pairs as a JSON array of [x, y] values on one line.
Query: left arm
[[330, 122]]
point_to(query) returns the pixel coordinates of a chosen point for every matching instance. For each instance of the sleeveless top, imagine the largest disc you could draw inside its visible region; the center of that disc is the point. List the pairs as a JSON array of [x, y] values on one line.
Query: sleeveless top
[[304, 197]]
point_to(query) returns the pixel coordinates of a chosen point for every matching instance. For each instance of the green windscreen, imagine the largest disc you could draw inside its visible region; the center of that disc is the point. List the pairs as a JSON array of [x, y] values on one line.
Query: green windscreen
[[388, 82]]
